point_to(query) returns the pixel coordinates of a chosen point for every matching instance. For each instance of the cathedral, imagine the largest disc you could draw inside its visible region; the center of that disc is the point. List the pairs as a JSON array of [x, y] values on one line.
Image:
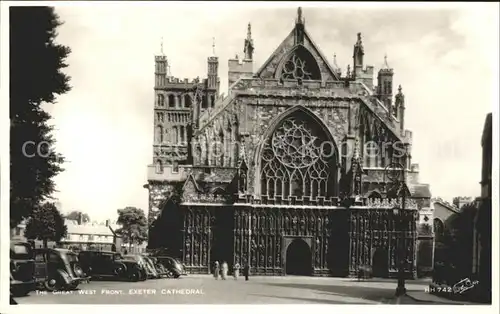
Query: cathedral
[[281, 172]]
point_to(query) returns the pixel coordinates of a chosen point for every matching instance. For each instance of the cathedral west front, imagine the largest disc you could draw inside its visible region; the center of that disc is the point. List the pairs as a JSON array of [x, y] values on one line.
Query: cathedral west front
[[280, 172]]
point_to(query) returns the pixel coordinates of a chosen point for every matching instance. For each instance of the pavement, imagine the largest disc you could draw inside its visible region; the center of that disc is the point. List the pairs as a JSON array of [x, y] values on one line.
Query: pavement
[[204, 289]]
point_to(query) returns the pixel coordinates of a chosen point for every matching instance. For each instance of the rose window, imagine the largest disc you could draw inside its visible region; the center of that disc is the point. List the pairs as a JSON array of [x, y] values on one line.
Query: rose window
[[296, 162]]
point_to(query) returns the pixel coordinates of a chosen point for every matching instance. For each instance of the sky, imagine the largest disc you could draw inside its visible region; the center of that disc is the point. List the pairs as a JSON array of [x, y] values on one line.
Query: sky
[[442, 57]]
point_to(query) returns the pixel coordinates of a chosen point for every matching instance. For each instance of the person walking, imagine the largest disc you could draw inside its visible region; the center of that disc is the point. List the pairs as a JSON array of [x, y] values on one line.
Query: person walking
[[216, 270], [236, 271], [246, 271], [224, 270]]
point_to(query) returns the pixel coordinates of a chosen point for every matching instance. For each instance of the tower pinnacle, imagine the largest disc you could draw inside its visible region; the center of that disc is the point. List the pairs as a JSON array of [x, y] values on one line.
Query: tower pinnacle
[[161, 46], [213, 46], [300, 19], [248, 48], [386, 65]]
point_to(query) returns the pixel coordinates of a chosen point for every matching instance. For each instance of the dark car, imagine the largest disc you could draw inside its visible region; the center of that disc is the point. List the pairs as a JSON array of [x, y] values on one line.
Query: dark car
[[63, 269], [107, 264], [174, 267], [141, 260], [23, 278]]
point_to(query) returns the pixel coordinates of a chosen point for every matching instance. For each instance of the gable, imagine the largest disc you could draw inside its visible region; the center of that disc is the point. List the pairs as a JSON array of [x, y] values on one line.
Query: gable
[[190, 186], [297, 49]]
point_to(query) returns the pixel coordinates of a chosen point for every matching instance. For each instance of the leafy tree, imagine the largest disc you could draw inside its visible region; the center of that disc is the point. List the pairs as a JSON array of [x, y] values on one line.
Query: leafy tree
[[36, 62], [134, 225], [76, 215], [46, 224]]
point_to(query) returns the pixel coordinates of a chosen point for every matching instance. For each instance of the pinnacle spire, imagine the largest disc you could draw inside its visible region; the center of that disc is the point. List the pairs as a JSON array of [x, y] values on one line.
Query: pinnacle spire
[[248, 48], [300, 19], [161, 46], [213, 46], [336, 66], [386, 65]]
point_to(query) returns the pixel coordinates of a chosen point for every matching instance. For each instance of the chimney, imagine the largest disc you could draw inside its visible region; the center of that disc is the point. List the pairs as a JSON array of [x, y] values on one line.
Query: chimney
[[107, 222], [80, 218]]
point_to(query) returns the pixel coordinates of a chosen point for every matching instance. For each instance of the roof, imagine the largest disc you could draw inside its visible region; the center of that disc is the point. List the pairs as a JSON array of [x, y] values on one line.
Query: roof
[[446, 205], [88, 228], [420, 190]]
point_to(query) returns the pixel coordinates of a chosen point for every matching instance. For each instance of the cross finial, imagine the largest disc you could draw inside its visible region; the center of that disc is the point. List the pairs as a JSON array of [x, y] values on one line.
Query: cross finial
[[249, 31], [400, 89], [213, 45]]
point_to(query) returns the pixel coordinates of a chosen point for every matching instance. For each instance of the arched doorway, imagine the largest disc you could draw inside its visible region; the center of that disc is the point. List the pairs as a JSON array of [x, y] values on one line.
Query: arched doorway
[[298, 258], [380, 263]]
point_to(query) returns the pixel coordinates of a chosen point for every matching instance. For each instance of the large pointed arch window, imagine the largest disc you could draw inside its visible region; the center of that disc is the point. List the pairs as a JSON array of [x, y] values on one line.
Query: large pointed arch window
[[300, 65], [298, 160]]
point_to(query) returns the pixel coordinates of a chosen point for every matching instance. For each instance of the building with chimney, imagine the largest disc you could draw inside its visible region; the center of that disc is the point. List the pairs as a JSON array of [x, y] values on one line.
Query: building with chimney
[[278, 174], [91, 235]]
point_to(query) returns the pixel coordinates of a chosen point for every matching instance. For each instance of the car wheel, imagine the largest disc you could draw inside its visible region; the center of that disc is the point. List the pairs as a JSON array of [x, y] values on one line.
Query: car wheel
[[73, 286], [176, 276], [52, 284], [134, 276], [119, 270]]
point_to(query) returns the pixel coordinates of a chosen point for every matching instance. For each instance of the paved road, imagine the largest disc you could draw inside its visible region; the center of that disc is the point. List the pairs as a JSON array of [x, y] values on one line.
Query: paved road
[[207, 290]]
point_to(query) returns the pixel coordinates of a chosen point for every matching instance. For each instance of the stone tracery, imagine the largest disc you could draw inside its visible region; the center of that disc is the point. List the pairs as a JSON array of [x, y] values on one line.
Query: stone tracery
[[295, 163]]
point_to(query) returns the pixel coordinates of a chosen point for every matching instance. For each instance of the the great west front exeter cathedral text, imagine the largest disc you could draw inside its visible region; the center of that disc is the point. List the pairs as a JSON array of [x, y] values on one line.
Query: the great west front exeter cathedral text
[[277, 172]]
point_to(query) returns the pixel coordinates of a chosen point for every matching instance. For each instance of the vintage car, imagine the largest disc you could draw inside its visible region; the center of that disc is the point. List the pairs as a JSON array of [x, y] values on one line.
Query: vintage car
[[160, 268], [150, 270], [152, 267], [174, 267], [61, 267], [23, 277], [111, 265]]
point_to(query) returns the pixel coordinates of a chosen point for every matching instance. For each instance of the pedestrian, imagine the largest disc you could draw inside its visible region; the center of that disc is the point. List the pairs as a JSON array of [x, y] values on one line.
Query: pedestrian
[[246, 271], [216, 270], [236, 271], [224, 270]]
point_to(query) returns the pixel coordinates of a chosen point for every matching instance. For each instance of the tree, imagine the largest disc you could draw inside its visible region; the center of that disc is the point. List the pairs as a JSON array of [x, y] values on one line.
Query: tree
[[76, 215], [134, 225], [453, 252], [36, 62], [46, 224]]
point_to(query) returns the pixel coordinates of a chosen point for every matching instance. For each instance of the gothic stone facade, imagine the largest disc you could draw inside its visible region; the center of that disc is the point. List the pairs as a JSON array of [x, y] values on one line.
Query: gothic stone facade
[[275, 174]]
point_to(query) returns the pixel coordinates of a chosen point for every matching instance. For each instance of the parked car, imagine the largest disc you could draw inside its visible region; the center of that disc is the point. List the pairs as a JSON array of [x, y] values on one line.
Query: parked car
[[108, 264], [150, 271], [160, 268], [61, 267], [152, 266], [23, 278], [174, 267]]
